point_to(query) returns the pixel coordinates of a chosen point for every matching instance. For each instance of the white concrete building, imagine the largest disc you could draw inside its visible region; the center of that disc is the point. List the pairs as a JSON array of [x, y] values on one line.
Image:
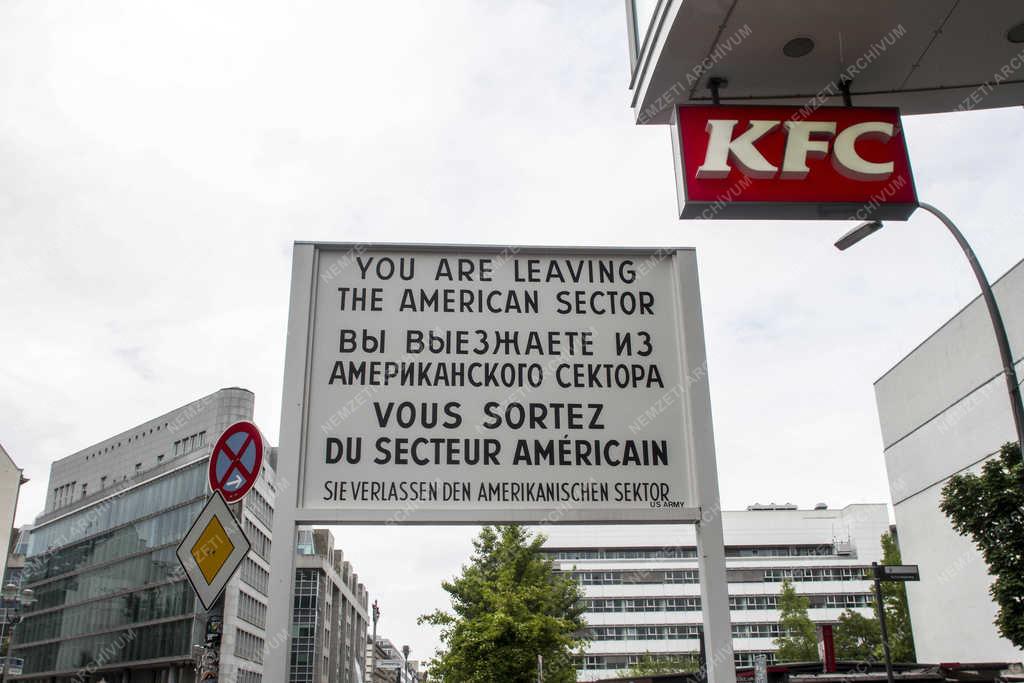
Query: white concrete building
[[642, 586], [112, 601], [943, 410], [11, 479]]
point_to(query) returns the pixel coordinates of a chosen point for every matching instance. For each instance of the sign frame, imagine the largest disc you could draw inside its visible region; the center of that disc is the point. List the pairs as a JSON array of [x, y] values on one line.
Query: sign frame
[[288, 513], [215, 508]]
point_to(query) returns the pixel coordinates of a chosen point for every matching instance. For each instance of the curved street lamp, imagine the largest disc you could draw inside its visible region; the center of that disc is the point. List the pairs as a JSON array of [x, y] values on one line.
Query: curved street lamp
[[1002, 340]]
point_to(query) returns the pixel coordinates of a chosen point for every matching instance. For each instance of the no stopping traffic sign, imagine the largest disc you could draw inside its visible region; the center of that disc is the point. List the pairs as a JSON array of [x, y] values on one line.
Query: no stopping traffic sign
[[236, 461]]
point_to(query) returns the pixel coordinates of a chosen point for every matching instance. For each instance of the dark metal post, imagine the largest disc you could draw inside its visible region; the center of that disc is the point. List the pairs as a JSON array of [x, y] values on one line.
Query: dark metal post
[[373, 647], [880, 609], [715, 83], [844, 87], [1003, 341]]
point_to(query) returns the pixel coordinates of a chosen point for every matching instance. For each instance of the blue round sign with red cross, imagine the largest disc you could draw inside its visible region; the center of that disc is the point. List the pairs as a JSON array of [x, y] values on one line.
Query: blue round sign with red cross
[[236, 460]]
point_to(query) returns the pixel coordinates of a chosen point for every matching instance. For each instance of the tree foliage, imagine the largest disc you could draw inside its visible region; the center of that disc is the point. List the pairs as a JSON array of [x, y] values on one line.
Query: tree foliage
[[897, 612], [987, 508], [799, 642], [858, 637], [508, 606], [650, 664]]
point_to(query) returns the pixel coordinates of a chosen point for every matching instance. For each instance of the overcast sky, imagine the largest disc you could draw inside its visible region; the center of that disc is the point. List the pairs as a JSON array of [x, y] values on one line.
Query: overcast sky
[[157, 160]]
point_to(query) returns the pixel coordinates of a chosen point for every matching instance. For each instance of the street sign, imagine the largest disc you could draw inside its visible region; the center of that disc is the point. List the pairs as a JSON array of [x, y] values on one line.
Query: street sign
[[897, 572], [787, 162], [448, 384], [212, 550], [475, 386], [236, 461]]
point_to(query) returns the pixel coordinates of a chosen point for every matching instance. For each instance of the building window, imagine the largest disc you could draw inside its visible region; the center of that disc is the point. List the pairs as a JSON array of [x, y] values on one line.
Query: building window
[[248, 646], [255, 575], [252, 610]]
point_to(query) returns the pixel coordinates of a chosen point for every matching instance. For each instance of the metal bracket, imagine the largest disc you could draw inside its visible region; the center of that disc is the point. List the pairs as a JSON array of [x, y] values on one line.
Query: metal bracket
[[715, 83], [844, 87]]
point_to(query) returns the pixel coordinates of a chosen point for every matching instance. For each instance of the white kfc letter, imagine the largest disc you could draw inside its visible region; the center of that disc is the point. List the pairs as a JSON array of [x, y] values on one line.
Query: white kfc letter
[[721, 146], [852, 165], [799, 146]]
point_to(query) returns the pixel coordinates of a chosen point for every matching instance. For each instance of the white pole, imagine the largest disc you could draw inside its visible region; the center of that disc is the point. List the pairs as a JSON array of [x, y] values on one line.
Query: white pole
[[714, 586], [282, 553]]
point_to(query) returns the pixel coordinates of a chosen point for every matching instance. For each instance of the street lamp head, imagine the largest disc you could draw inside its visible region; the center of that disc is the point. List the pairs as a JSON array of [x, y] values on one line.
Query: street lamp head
[[10, 591], [28, 597], [857, 234]]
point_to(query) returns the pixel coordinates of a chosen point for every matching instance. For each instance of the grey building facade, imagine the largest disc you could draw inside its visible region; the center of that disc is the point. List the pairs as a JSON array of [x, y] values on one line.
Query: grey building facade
[[329, 615]]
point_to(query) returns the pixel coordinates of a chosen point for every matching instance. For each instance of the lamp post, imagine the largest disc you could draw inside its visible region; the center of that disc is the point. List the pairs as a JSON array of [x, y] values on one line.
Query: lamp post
[[405, 653], [1002, 340], [21, 598], [373, 646]]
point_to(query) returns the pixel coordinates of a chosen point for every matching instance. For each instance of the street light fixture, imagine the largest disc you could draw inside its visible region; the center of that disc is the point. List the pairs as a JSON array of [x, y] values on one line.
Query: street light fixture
[[1002, 340], [857, 234]]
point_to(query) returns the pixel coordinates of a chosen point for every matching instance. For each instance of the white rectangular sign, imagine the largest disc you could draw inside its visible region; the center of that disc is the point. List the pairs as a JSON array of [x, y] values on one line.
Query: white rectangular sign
[[488, 384]]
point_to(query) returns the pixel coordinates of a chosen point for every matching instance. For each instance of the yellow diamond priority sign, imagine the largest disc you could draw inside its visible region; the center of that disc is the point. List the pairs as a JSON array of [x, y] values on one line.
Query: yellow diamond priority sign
[[212, 550]]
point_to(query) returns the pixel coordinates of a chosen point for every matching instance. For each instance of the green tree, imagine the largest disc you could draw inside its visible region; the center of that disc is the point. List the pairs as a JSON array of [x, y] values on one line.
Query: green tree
[[799, 642], [508, 606], [858, 637], [987, 508], [649, 665], [897, 613]]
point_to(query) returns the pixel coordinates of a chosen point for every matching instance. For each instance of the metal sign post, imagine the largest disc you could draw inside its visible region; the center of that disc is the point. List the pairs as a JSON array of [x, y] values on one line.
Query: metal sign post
[[488, 385], [896, 572]]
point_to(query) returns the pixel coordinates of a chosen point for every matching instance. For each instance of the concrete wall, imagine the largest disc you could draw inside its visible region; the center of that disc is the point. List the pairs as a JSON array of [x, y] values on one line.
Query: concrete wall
[[944, 409], [10, 484]]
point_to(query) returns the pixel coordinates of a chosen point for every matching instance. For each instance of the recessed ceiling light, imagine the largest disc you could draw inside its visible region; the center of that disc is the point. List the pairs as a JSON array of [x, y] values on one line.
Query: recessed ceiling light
[[798, 47], [1016, 33]]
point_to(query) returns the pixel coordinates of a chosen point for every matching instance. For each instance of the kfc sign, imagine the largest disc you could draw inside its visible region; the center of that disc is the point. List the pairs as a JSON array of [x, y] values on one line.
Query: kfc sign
[[847, 163]]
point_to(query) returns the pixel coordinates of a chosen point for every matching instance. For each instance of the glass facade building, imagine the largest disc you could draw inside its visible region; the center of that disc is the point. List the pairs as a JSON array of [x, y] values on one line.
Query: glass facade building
[[112, 601], [107, 581]]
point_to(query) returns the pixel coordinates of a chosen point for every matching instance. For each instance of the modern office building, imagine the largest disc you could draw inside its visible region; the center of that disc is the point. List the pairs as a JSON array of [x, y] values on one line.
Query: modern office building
[[11, 479], [944, 410], [642, 585], [111, 600], [329, 616]]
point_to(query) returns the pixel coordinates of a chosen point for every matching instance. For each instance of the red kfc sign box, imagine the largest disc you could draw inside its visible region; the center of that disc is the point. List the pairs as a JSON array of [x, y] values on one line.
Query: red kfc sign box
[[844, 163]]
